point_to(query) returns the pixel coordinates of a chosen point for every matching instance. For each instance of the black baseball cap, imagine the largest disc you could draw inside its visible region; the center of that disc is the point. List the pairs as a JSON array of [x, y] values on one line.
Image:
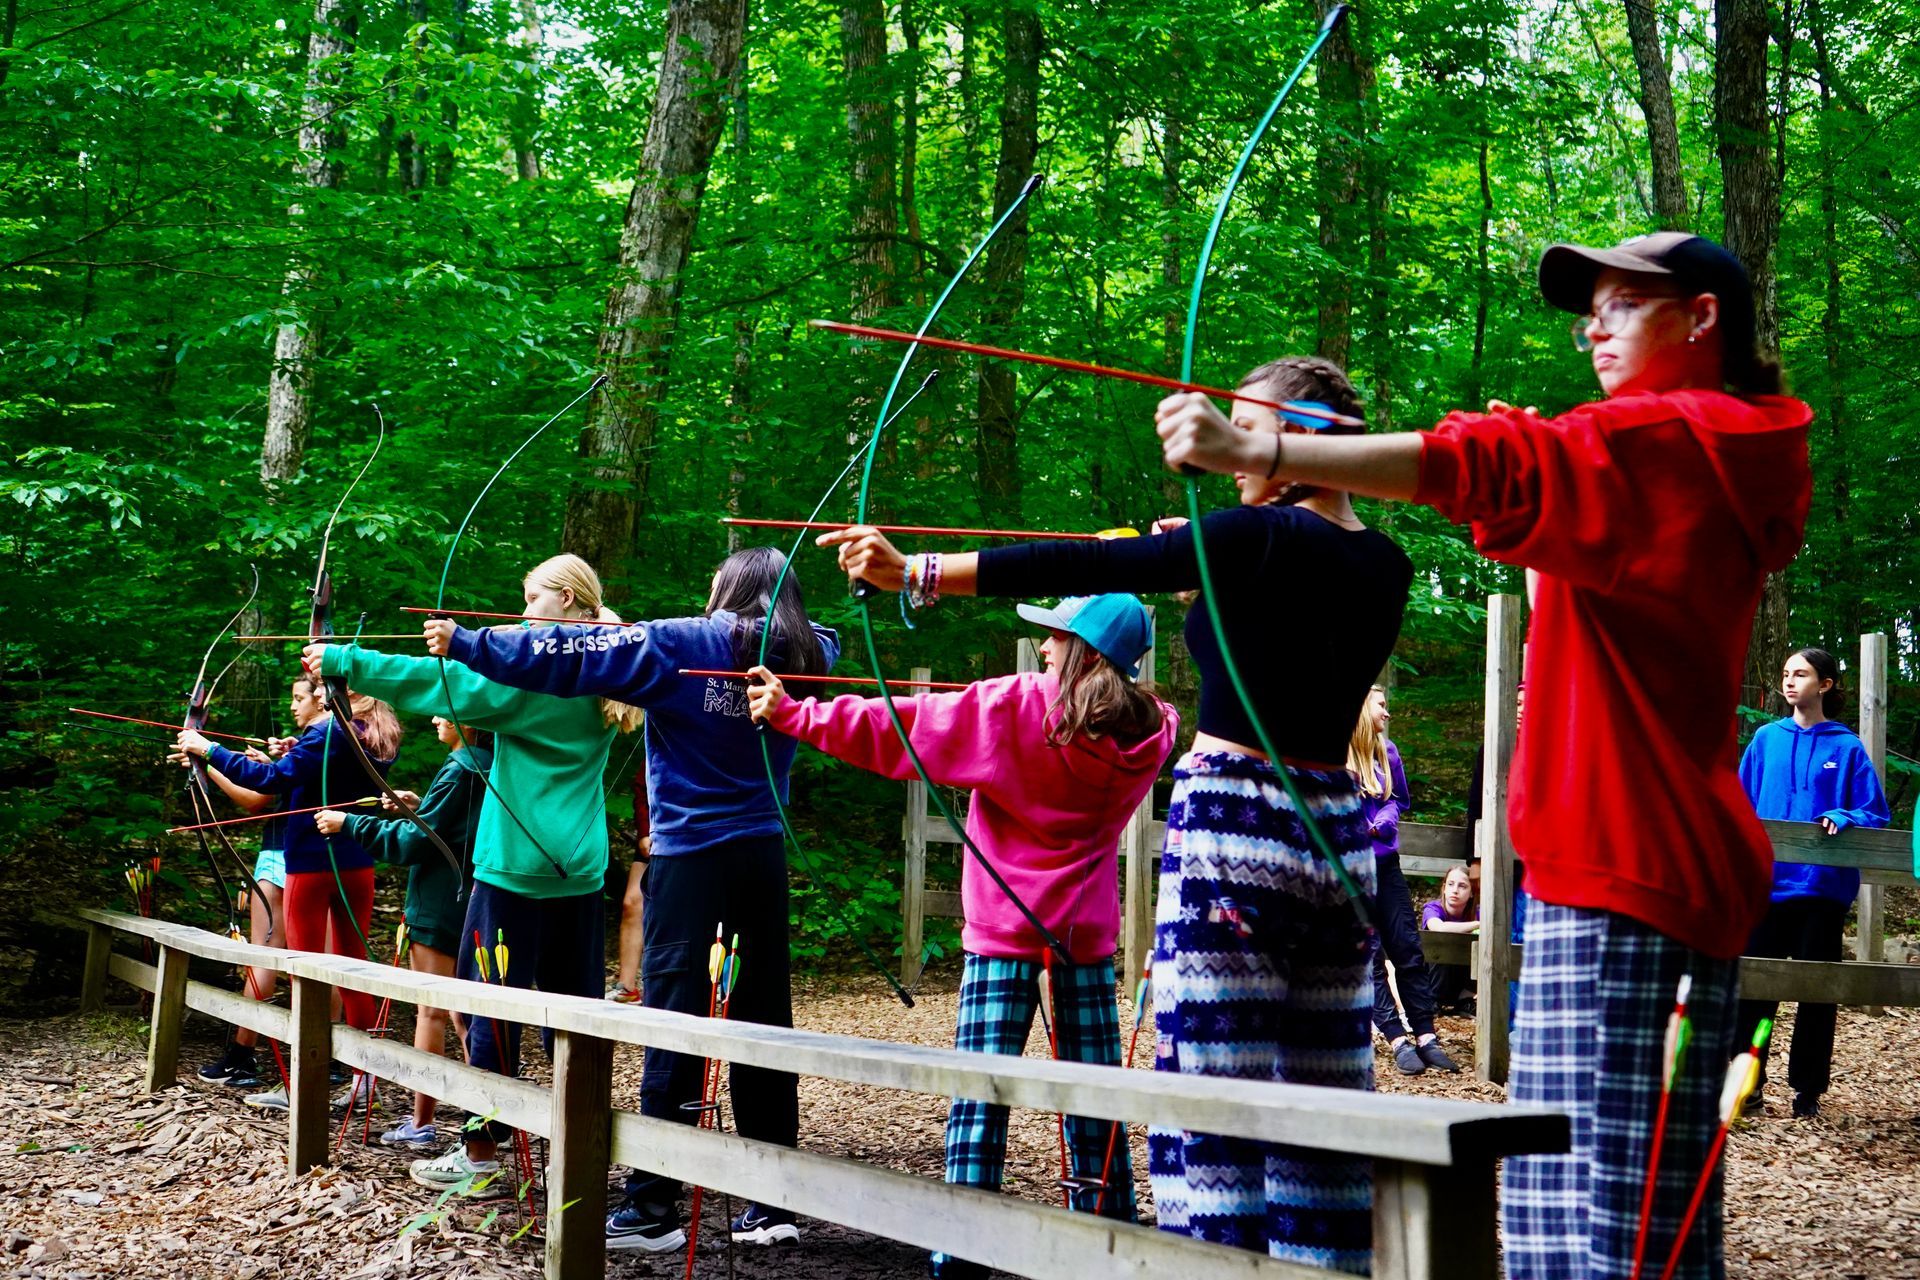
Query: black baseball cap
[[1696, 264]]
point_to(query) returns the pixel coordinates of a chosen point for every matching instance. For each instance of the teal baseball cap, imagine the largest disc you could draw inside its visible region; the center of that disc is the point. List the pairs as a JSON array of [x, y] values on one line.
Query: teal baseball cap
[[1117, 625]]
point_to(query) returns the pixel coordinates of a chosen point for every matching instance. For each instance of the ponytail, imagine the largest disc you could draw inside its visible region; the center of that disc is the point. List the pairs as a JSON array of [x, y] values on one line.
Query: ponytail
[[1827, 667]]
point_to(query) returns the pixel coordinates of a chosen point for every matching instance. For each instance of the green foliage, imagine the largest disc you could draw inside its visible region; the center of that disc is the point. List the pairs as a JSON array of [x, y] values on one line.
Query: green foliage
[[148, 226]]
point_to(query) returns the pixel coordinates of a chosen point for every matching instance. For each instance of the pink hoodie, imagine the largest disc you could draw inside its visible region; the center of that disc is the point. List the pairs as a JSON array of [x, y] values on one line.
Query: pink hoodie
[[1048, 817]]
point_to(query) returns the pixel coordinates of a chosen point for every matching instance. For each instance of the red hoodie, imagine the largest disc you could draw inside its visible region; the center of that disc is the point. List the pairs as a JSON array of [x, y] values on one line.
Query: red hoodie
[[1653, 521]]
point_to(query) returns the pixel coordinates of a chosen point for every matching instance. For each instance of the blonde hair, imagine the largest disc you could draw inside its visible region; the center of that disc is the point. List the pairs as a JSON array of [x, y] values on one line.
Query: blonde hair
[[1367, 752], [378, 727], [568, 572]]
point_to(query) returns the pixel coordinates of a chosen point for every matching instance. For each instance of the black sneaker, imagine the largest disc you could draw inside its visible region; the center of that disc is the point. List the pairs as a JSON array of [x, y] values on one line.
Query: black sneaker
[[1407, 1058], [761, 1224], [652, 1227], [252, 1080], [1434, 1056], [338, 1074], [1806, 1106], [237, 1062], [944, 1266]]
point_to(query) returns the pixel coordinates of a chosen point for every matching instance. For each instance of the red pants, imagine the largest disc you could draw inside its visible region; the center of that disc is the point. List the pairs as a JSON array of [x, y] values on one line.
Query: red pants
[[317, 920]]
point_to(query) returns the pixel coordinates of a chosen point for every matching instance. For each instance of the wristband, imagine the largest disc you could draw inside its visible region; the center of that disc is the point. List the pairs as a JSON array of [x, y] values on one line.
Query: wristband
[[1275, 464]]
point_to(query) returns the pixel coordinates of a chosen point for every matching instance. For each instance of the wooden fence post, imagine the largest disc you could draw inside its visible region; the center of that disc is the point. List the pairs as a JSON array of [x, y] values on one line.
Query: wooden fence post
[[1492, 843], [913, 875], [1432, 1223], [309, 1051], [1869, 941], [169, 1010], [93, 977], [1142, 862], [582, 1135]]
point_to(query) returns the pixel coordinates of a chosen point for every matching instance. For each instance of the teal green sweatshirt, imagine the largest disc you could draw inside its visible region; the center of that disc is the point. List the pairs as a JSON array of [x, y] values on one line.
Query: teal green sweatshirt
[[543, 827], [451, 807]]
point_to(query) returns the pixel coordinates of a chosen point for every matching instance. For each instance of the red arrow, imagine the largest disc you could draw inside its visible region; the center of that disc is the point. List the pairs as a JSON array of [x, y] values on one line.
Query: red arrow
[[162, 724], [516, 617], [1082, 366]]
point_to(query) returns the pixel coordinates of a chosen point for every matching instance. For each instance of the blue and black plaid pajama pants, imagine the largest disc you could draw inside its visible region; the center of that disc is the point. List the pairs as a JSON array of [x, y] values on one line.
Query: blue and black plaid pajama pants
[[1588, 1039], [1262, 971], [998, 1000]]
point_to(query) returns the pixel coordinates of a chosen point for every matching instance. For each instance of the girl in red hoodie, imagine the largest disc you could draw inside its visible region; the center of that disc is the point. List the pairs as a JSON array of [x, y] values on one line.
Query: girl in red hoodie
[[1652, 519], [1058, 761]]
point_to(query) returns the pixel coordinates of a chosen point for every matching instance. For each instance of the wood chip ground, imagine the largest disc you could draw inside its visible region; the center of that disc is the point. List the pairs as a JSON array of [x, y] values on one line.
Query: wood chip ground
[[97, 1179]]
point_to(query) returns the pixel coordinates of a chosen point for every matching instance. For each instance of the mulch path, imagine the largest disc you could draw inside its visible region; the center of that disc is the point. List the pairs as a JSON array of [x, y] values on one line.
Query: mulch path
[[97, 1179]]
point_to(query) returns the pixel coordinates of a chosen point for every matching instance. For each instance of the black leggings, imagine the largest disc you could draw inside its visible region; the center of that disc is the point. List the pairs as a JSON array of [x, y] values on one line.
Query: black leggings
[[1399, 941], [1798, 929], [741, 885]]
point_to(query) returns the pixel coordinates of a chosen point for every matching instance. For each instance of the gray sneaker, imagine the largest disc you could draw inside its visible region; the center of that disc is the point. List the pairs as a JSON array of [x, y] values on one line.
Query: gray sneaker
[[409, 1134]]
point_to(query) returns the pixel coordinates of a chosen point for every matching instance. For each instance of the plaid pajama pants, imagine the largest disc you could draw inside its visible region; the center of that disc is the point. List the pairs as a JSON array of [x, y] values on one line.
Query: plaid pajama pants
[[1261, 971], [998, 1000], [1588, 1040]]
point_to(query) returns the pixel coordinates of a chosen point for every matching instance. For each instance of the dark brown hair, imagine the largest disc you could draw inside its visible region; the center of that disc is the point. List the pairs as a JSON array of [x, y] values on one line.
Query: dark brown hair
[[1097, 699], [1308, 378], [1825, 667]]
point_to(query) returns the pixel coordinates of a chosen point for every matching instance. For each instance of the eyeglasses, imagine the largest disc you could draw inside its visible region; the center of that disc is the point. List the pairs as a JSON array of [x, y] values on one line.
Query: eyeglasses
[[1613, 315]]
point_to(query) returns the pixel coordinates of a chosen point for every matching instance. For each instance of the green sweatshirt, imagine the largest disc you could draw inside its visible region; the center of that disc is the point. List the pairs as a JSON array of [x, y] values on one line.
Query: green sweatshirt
[[451, 806], [545, 812]]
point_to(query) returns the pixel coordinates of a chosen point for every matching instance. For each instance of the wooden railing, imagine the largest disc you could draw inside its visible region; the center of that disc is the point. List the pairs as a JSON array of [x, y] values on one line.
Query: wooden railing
[[1434, 1161]]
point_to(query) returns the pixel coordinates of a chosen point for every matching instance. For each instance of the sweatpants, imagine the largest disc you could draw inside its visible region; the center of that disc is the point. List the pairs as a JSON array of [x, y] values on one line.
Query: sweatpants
[[1399, 941], [742, 886], [1798, 929], [1260, 972], [555, 944], [1588, 1039], [998, 999], [318, 919]]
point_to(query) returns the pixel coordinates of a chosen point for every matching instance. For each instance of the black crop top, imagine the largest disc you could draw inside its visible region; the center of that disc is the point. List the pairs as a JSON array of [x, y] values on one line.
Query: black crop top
[[1312, 611]]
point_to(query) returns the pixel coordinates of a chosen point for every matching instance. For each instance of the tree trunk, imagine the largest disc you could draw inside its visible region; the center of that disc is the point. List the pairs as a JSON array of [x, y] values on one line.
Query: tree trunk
[[410, 154], [910, 146], [1476, 369], [322, 135], [1834, 340], [740, 393], [1751, 200], [1173, 155], [872, 217], [526, 109], [1656, 104], [1342, 131], [689, 107], [449, 109], [1004, 284]]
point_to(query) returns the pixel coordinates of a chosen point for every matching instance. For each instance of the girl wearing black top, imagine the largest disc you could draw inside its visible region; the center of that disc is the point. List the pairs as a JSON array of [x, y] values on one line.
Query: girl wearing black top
[[1260, 967]]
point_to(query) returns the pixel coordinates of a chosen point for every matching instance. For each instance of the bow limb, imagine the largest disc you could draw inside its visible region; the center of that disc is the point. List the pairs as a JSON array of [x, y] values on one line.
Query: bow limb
[[440, 600], [337, 698], [1053, 943], [199, 786], [1315, 834]]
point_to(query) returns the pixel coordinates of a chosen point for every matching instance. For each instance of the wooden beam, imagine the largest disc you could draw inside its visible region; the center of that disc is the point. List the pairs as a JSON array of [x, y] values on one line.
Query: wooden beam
[[1830, 982], [1432, 1131], [93, 975], [1434, 1224], [169, 1011], [577, 1169], [309, 1050], [913, 873], [1870, 940], [1139, 871], [943, 903], [1496, 845], [1006, 1233], [239, 1010]]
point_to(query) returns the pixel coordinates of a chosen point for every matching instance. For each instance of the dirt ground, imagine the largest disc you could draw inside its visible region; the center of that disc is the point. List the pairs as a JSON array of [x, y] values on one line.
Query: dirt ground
[[98, 1180]]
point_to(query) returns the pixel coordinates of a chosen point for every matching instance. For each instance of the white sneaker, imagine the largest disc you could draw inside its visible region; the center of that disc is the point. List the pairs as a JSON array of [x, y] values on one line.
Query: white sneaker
[[274, 1099], [357, 1092], [453, 1171]]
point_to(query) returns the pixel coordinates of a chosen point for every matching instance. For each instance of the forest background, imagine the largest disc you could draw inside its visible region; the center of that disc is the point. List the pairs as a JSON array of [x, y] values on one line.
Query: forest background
[[228, 232]]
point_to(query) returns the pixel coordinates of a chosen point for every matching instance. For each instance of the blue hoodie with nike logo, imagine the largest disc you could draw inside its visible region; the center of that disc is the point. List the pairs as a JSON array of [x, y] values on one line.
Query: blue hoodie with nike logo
[[1796, 773]]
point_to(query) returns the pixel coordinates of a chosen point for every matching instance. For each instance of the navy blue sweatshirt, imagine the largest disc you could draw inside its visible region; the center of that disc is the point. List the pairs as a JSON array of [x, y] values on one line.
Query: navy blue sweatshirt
[[1312, 612], [296, 775], [706, 782], [1795, 774]]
